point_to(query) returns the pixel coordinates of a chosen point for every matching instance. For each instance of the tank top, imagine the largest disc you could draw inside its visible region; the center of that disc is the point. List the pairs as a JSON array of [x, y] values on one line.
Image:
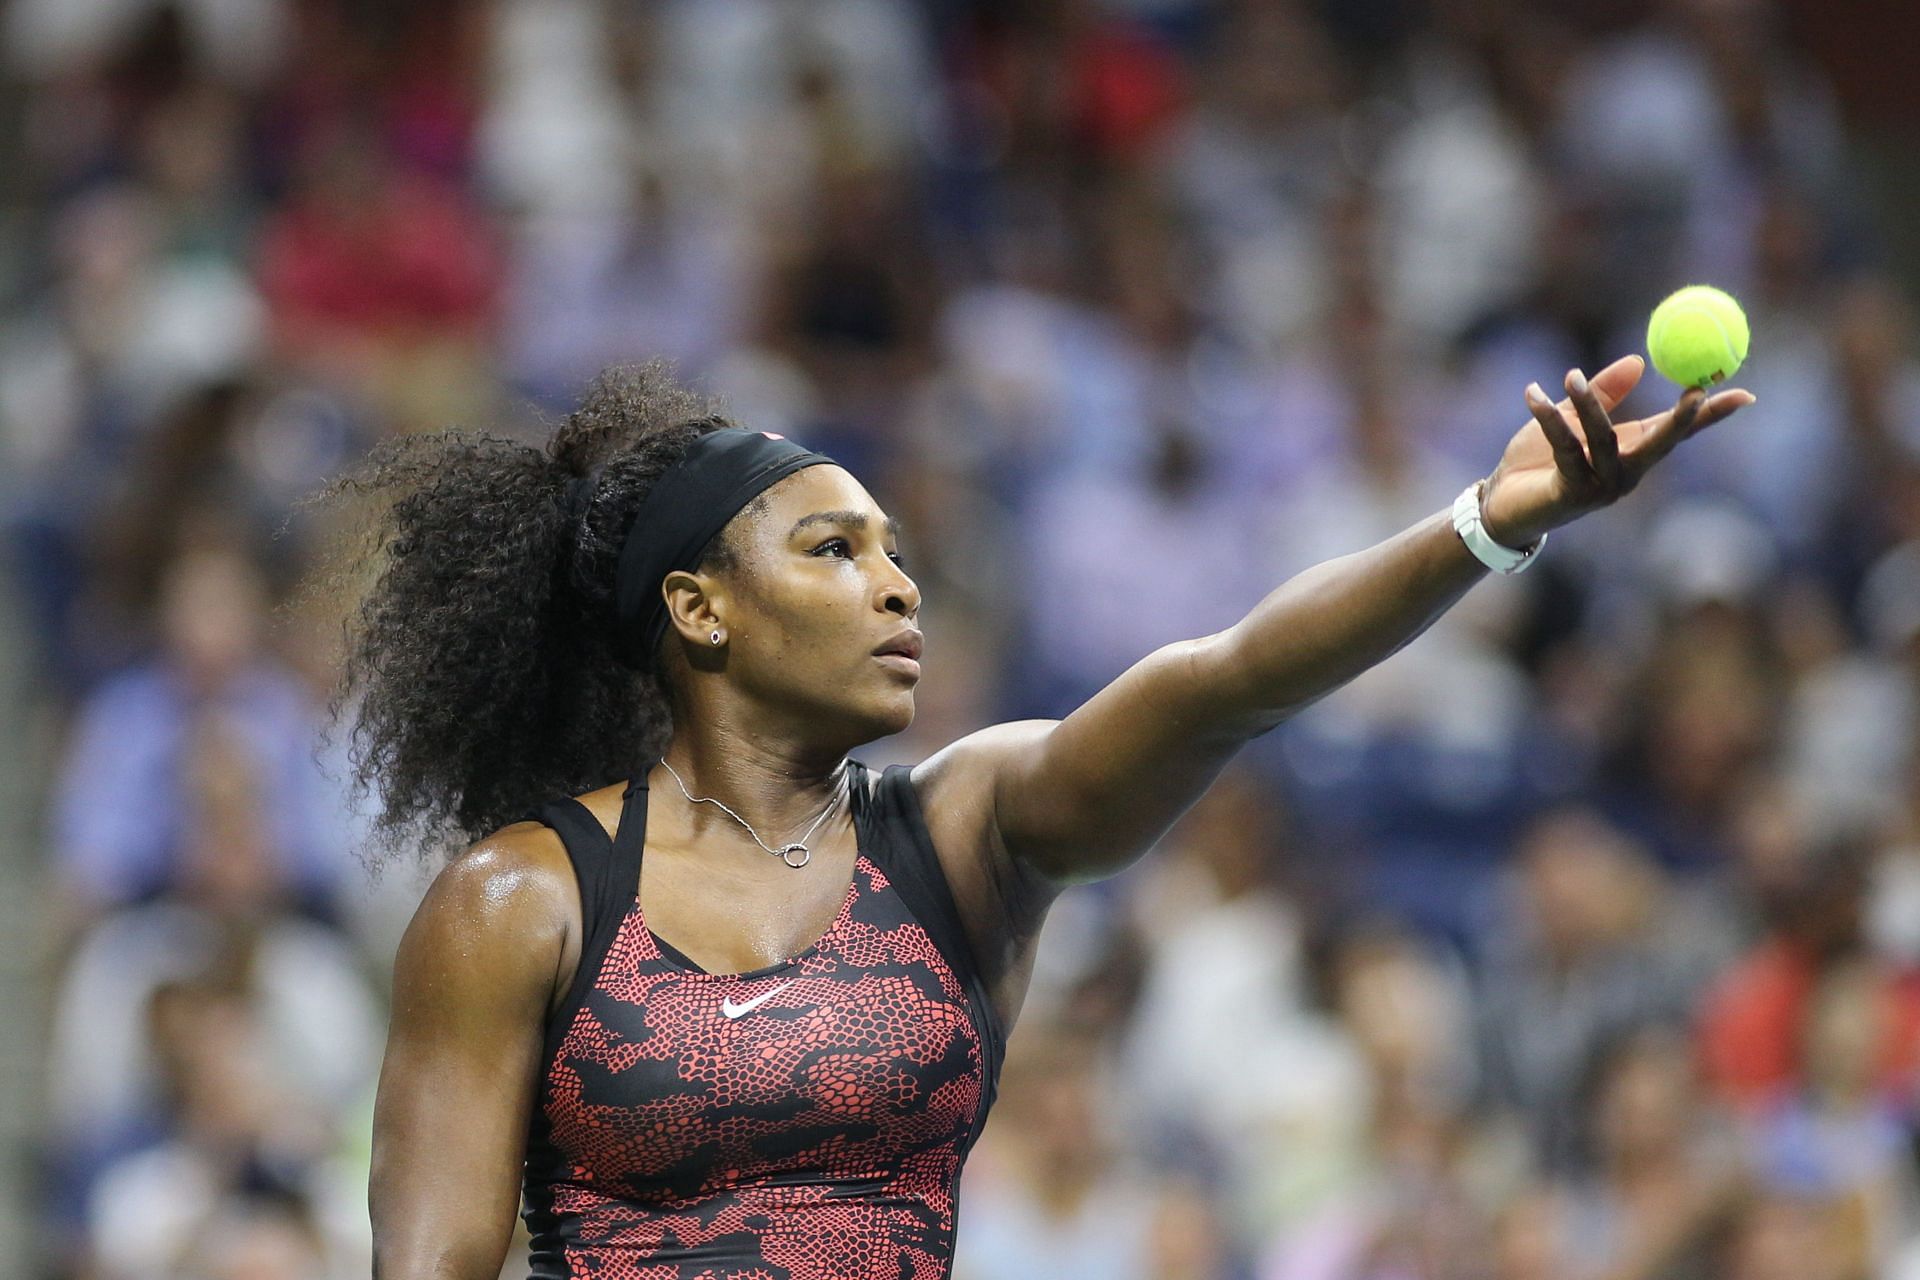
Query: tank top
[[802, 1121]]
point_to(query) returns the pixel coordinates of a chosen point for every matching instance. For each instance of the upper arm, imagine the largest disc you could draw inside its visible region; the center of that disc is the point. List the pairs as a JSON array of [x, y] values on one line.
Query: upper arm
[[472, 980], [1085, 796]]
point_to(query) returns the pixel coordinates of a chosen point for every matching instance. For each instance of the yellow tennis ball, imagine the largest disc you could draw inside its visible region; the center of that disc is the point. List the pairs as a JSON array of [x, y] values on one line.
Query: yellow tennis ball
[[1698, 336]]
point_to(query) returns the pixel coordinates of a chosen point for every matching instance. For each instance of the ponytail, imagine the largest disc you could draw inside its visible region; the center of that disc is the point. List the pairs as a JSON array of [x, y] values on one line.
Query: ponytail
[[481, 665]]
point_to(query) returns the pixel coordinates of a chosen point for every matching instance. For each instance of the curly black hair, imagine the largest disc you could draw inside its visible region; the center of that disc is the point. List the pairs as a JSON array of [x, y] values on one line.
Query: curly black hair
[[483, 669]]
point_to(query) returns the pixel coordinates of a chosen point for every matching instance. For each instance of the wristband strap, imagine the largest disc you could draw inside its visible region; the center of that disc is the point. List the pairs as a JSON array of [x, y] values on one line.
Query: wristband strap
[[1466, 522]]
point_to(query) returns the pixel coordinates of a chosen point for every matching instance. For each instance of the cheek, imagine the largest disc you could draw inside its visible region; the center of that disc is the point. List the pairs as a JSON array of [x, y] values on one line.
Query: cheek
[[832, 631], [812, 623]]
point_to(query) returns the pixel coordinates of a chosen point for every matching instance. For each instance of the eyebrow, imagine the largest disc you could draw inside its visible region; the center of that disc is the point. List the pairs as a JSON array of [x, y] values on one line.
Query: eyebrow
[[852, 519]]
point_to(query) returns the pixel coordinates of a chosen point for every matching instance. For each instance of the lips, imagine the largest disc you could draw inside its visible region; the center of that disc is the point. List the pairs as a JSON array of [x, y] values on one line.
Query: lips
[[906, 644]]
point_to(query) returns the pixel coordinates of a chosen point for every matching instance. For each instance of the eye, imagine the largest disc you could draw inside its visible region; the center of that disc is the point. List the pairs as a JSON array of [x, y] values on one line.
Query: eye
[[844, 546]]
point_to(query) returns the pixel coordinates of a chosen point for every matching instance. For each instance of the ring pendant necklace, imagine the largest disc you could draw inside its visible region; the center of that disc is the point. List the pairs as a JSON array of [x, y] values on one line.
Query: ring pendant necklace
[[786, 851]]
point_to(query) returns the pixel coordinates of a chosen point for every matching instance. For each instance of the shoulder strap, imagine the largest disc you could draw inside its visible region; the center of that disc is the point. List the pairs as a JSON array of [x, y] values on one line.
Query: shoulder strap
[[629, 841], [586, 844], [904, 848], [608, 874]]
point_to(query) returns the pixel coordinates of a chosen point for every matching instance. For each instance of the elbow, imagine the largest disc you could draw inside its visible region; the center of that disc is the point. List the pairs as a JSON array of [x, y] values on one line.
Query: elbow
[[1237, 701], [391, 1263], [430, 1244]]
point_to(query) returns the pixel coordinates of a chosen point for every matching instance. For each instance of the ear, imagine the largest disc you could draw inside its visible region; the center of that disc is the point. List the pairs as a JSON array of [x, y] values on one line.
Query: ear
[[695, 602]]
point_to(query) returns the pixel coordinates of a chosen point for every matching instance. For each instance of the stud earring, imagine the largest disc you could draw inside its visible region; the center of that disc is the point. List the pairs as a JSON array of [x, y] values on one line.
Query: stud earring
[[716, 637]]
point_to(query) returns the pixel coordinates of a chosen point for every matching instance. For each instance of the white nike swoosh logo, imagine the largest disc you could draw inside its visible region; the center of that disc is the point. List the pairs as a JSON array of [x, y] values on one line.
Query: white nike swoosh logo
[[733, 1010]]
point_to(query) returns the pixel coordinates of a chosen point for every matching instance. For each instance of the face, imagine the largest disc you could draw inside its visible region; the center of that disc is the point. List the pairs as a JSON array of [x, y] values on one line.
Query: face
[[1648, 1101], [1844, 1032], [212, 606], [818, 595]]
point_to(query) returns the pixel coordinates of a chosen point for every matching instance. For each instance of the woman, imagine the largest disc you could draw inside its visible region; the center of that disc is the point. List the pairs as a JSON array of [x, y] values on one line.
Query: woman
[[653, 644]]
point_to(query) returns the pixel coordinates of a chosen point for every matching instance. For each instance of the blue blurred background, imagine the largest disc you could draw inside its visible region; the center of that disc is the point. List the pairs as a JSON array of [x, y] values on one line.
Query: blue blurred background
[[1581, 939]]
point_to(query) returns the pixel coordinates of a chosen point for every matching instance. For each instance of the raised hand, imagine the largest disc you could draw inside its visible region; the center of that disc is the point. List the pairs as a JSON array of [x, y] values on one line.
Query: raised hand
[[1572, 458]]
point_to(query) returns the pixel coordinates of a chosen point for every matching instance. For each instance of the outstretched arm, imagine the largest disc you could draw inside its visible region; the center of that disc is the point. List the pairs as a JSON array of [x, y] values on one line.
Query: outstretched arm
[[1082, 797]]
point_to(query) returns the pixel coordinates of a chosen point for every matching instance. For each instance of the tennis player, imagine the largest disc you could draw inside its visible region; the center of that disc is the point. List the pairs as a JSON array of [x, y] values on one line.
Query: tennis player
[[704, 996]]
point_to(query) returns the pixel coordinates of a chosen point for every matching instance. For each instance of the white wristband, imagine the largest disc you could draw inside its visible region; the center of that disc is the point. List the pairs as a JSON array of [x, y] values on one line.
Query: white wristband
[[1466, 522]]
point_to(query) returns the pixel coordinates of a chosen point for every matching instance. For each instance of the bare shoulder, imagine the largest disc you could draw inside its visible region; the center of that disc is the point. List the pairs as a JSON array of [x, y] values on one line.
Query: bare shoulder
[[962, 776], [506, 905], [513, 878]]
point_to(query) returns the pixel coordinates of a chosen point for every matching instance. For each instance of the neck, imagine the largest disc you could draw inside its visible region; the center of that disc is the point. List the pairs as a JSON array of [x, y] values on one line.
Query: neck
[[777, 788]]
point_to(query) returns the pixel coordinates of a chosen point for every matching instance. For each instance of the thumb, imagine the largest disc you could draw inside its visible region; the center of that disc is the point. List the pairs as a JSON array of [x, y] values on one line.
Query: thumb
[[1612, 383]]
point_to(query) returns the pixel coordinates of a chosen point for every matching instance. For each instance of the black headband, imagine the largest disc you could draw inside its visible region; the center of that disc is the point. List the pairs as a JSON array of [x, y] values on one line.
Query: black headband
[[691, 502]]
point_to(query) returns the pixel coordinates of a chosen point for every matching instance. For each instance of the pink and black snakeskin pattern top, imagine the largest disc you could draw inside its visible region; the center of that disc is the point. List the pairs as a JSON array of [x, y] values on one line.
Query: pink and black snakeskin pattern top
[[805, 1121]]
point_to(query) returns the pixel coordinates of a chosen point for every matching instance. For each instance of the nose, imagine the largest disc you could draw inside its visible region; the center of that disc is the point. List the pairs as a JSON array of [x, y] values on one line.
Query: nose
[[900, 595]]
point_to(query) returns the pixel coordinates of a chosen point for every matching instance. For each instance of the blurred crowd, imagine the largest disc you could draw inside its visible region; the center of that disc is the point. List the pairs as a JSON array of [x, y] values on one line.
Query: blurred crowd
[[1578, 941]]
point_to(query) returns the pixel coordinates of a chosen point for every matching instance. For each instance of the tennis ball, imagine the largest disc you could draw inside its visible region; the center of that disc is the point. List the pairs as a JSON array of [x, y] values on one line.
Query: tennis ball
[[1698, 336]]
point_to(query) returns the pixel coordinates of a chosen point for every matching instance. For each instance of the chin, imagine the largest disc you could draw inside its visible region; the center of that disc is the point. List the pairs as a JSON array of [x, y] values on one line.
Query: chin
[[854, 721], [884, 717], [898, 717]]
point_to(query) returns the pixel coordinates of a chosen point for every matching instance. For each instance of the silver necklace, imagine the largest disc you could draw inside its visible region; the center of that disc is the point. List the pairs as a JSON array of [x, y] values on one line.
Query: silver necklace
[[786, 851]]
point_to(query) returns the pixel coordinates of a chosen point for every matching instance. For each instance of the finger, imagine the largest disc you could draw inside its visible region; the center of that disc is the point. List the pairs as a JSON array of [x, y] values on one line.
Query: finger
[[1602, 448], [1615, 382], [1720, 405], [1667, 430], [1567, 453]]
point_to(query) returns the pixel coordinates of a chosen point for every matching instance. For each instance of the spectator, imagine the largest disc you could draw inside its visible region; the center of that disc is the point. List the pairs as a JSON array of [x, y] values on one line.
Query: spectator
[[1665, 1180], [314, 1020], [1593, 951], [1752, 1019], [1842, 1138], [1056, 1196], [134, 742], [238, 1138]]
